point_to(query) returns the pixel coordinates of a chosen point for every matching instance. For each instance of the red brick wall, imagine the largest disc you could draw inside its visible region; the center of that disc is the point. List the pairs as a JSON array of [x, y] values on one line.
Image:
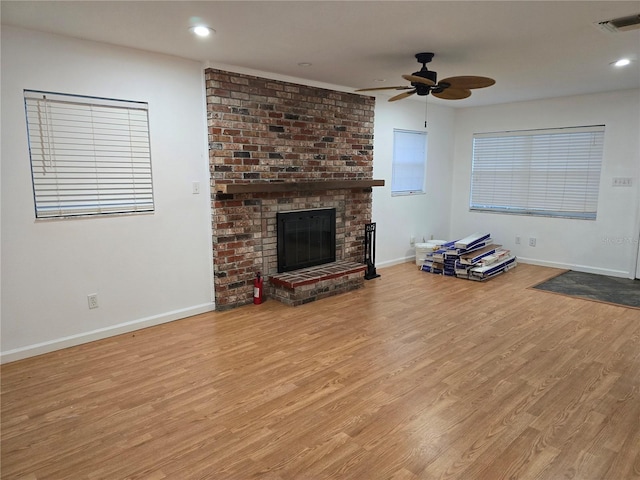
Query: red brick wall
[[264, 130]]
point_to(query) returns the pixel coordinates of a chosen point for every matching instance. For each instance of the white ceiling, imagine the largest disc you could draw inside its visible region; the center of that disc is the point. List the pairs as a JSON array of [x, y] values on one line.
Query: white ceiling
[[534, 49]]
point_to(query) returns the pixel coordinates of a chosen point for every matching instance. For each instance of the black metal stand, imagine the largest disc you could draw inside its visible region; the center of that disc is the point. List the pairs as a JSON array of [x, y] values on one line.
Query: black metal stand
[[370, 251]]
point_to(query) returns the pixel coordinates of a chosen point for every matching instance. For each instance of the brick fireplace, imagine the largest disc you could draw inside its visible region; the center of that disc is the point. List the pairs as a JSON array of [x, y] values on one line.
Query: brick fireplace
[[277, 147]]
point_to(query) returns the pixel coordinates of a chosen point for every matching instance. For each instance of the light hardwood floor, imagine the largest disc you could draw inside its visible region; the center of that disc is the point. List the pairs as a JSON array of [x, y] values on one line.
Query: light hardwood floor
[[416, 376]]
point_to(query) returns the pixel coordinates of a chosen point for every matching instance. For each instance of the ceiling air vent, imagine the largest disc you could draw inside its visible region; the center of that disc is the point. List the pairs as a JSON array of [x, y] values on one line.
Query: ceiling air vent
[[621, 24]]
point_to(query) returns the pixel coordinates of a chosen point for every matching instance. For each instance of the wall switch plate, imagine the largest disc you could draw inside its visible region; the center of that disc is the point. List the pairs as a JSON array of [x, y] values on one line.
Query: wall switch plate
[[532, 241], [412, 240], [622, 182], [195, 188], [517, 239]]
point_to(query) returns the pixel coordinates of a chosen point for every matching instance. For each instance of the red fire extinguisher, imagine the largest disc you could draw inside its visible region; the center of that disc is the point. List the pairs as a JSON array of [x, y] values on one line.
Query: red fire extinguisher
[[258, 284]]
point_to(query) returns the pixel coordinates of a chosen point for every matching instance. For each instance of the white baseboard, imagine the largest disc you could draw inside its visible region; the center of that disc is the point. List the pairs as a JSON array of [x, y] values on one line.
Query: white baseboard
[[396, 261], [577, 268], [86, 337], [543, 263]]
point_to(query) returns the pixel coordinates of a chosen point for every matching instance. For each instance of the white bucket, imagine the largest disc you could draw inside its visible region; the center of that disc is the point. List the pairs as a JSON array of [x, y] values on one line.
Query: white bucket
[[423, 248], [421, 252]]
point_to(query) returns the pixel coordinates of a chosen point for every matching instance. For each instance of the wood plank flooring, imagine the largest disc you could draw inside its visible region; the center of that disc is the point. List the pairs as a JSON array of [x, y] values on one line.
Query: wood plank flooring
[[415, 376]]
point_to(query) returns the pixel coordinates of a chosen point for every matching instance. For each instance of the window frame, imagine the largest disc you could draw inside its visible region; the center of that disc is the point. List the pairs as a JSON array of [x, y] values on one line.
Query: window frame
[[503, 161], [89, 156], [398, 188]]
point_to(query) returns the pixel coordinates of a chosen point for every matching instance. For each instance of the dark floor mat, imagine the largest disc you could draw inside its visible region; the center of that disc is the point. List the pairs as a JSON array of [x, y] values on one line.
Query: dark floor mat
[[620, 291]]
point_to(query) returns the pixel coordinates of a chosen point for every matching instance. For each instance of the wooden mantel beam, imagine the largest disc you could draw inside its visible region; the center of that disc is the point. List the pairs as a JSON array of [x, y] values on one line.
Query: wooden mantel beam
[[265, 187]]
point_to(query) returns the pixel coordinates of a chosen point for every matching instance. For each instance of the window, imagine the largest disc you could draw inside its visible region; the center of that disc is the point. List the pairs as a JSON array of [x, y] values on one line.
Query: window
[[88, 155], [552, 173], [409, 162]]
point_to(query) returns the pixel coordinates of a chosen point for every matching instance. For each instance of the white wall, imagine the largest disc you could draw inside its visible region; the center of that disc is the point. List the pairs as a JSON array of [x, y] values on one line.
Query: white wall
[[638, 261], [608, 245], [146, 269], [149, 269], [422, 216]]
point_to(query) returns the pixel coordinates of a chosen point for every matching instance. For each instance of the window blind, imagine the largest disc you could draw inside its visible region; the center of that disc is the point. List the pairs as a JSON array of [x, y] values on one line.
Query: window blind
[[88, 155], [409, 162], [542, 172]]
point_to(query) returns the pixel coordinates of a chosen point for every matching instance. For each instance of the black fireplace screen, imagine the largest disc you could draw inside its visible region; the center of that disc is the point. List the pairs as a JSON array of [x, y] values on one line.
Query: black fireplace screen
[[306, 238]]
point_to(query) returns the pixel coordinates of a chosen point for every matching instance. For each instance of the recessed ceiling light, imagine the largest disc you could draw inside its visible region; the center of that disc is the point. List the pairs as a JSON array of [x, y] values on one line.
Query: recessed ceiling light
[[623, 62], [304, 64], [380, 80], [202, 30]]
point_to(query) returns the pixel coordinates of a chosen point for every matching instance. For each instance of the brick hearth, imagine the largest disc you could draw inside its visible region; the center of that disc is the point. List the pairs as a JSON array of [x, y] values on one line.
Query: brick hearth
[[262, 130], [313, 283]]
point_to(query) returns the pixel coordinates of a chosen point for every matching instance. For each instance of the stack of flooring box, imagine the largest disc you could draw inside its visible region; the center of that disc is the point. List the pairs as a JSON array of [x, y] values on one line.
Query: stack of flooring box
[[475, 257]]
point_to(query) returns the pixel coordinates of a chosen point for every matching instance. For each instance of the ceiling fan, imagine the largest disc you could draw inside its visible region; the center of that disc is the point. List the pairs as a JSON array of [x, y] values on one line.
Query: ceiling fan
[[424, 82]]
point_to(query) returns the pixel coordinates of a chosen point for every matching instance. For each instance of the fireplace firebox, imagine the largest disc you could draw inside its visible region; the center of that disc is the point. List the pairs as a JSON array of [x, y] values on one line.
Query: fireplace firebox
[[306, 238]]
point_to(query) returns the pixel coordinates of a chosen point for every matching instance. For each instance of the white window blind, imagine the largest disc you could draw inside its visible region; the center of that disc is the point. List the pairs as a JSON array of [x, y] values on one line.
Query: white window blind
[[89, 155], [409, 162], [542, 172]]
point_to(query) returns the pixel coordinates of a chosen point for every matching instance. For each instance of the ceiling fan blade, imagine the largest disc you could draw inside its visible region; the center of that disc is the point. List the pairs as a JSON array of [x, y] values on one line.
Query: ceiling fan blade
[[469, 81], [453, 93], [402, 95], [417, 79], [382, 88]]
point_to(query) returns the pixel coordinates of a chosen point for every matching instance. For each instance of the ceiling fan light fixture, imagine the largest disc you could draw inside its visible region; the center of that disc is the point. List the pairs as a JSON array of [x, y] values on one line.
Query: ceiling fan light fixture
[[424, 82]]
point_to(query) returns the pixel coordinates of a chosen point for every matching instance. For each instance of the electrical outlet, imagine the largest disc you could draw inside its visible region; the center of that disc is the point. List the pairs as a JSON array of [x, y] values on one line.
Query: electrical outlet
[[532, 241], [517, 239], [412, 240], [93, 300]]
